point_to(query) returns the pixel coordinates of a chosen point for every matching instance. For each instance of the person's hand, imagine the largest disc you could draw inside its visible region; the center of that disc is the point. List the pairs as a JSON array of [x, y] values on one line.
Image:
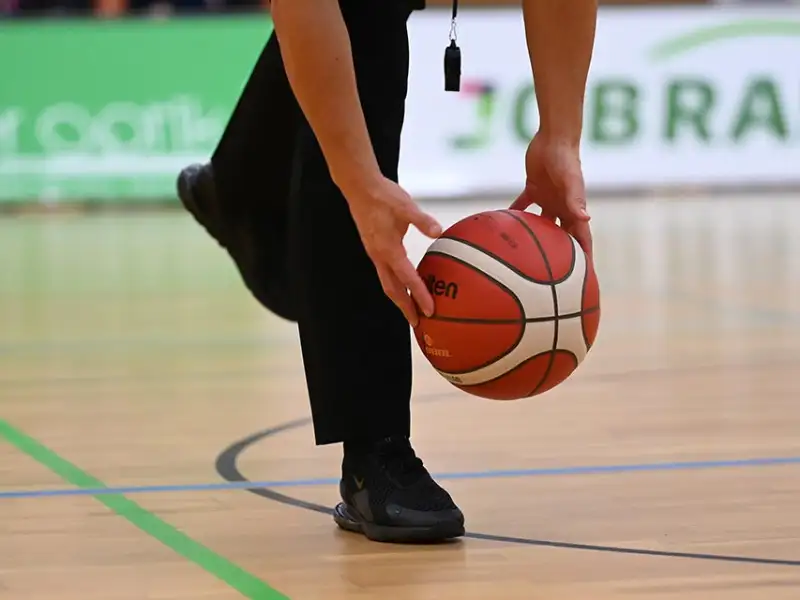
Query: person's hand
[[554, 181], [383, 212]]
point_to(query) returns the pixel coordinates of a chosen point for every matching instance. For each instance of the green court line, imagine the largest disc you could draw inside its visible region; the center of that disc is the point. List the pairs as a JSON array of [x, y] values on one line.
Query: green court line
[[247, 584]]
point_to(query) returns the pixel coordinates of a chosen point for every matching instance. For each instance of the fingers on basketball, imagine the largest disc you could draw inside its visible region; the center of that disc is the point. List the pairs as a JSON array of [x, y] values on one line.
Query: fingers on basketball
[[581, 231], [424, 222], [549, 215], [575, 191], [397, 293], [412, 281], [521, 203]]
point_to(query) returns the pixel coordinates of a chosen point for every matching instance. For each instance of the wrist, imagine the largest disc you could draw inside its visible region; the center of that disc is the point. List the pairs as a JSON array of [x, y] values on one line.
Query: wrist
[[356, 178], [561, 131], [558, 135], [349, 155]]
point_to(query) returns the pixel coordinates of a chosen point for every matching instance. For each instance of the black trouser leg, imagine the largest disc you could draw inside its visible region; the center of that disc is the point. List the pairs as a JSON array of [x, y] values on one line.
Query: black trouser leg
[[253, 160], [252, 172], [355, 342]]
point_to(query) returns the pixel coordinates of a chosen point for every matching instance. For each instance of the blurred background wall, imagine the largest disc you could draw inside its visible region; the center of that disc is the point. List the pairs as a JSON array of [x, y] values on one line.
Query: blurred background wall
[[105, 100]]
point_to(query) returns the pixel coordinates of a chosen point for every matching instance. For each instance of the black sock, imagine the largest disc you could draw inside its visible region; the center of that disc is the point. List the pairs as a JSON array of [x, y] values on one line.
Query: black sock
[[358, 447], [361, 446]]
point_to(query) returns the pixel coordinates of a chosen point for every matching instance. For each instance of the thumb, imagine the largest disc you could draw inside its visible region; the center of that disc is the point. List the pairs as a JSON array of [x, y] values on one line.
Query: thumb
[[426, 224]]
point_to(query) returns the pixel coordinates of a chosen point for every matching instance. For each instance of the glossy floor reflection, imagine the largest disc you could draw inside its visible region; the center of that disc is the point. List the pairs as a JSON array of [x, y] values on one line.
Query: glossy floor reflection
[[666, 468]]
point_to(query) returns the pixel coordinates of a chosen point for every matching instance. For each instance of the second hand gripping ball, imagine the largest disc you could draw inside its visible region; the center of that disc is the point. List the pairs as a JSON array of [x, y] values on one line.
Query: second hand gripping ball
[[517, 305]]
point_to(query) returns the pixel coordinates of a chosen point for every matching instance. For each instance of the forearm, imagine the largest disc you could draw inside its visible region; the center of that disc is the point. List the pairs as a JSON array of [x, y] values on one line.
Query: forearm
[[560, 38], [316, 52]]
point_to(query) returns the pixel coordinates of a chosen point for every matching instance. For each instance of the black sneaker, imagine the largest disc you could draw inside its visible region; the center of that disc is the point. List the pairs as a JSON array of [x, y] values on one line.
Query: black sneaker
[[197, 193], [389, 496]]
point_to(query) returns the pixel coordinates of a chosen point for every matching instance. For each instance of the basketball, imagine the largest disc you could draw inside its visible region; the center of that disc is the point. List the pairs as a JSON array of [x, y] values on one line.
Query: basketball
[[517, 305]]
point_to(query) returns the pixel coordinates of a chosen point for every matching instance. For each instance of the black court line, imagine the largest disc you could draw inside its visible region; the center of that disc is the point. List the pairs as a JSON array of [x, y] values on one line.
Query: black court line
[[227, 466]]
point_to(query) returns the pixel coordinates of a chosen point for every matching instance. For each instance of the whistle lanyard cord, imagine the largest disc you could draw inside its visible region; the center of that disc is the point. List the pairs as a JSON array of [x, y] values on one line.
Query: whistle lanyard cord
[[453, 21]]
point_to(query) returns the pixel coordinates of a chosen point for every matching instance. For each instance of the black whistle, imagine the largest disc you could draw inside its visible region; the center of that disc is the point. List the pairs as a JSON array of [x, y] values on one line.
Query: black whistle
[[452, 68]]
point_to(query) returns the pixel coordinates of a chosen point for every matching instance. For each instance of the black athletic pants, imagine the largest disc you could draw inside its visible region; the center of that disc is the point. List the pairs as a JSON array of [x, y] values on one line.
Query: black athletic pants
[[272, 177]]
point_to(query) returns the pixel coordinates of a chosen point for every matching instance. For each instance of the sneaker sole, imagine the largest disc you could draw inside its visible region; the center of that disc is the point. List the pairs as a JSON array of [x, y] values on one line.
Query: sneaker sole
[[440, 532]]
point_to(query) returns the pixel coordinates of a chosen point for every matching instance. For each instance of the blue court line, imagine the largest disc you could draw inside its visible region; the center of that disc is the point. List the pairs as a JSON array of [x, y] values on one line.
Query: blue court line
[[491, 474]]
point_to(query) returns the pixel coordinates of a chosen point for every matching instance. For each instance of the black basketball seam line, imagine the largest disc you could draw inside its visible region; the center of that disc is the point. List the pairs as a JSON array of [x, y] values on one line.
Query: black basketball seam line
[[510, 213], [568, 353], [514, 368], [574, 259], [504, 263], [556, 328], [501, 286], [564, 317]]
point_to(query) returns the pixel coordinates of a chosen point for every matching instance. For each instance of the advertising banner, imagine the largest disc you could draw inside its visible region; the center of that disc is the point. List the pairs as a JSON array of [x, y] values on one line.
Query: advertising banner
[[676, 97], [111, 110]]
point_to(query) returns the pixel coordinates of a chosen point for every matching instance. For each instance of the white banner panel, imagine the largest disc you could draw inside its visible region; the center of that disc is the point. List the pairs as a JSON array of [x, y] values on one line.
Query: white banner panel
[[704, 96]]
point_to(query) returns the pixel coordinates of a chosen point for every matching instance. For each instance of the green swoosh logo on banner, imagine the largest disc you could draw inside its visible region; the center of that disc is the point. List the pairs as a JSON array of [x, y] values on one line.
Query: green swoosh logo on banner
[[709, 35]]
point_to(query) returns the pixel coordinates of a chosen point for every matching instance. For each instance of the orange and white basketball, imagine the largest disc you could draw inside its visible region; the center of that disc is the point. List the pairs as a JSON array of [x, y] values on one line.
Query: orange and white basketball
[[517, 305]]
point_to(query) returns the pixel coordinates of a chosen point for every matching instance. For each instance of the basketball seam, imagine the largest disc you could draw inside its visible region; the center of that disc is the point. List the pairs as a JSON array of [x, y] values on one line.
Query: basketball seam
[[564, 317], [493, 379], [501, 286], [508, 265], [553, 284], [515, 368], [553, 354]]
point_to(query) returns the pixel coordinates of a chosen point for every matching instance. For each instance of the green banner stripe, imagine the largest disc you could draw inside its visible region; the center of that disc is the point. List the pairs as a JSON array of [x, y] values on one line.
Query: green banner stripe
[[138, 100], [247, 584], [728, 31]]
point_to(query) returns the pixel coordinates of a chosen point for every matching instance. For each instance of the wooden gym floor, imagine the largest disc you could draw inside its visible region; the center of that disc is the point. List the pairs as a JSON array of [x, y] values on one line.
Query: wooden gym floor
[[668, 467]]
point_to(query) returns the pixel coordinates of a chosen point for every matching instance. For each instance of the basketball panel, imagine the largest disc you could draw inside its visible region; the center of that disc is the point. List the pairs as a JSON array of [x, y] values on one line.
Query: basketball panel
[[536, 339], [536, 299], [458, 347], [571, 337], [515, 384], [507, 239], [462, 291], [562, 365], [570, 290], [555, 243]]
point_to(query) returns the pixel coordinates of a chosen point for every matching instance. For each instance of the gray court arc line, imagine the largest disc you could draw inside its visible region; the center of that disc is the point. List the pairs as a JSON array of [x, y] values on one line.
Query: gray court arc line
[[227, 466]]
